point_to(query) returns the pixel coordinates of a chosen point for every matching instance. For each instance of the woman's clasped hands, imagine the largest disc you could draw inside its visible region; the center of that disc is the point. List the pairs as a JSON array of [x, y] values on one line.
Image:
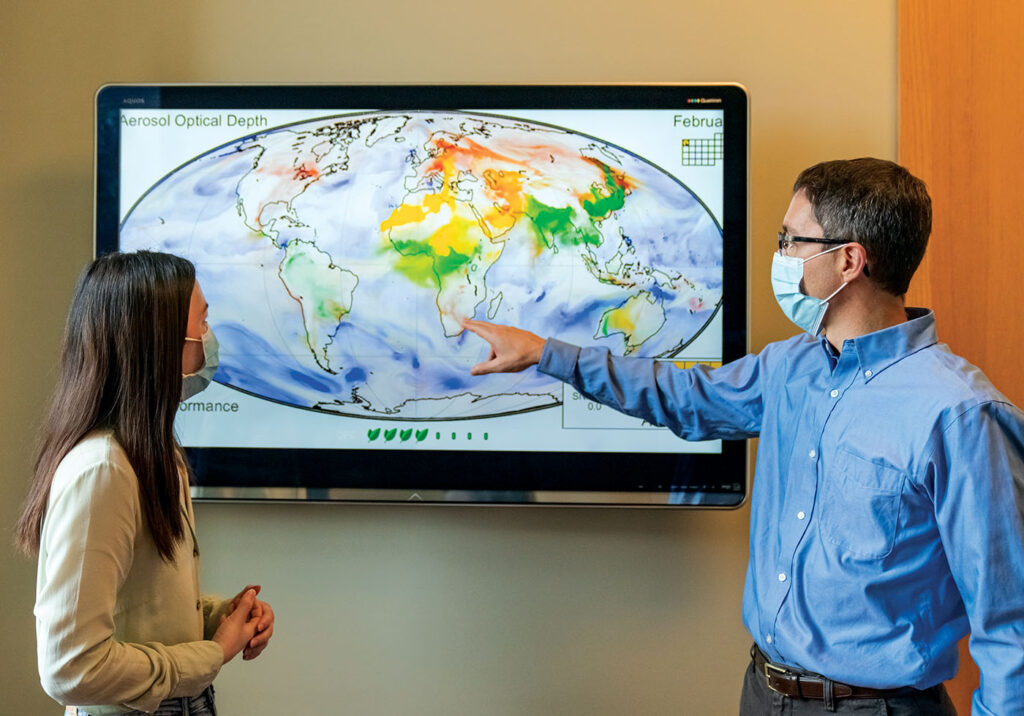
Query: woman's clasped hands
[[246, 626]]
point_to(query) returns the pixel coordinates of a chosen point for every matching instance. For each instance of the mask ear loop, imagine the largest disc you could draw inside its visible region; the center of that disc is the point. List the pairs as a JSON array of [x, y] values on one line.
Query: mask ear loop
[[867, 272], [831, 295], [194, 340], [841, 287], [822, 253]]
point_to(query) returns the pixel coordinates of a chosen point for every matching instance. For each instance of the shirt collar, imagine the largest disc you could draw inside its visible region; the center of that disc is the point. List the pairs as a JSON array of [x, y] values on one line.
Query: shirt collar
[[877, 351]]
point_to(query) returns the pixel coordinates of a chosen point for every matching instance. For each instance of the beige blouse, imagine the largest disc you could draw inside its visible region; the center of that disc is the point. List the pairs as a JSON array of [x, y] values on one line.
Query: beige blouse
[[117, 627]]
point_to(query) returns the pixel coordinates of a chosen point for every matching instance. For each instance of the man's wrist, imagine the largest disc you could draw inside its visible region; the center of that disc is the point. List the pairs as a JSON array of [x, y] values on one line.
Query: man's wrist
[[538, 351], [558, 359]]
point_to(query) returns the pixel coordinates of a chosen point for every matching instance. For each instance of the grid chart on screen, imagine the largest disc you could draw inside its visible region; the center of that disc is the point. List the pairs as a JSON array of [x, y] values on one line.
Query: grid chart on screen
[[702, 152]]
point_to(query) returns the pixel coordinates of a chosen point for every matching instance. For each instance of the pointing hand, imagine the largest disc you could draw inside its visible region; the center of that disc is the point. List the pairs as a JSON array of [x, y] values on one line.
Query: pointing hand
[[512, 349]]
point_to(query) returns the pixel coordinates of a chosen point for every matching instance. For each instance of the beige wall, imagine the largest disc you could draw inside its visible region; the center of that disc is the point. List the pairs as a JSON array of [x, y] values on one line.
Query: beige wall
[[412, 610]]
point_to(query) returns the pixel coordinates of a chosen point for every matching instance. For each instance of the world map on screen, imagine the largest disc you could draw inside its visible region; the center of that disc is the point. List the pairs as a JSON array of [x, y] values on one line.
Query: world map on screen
[[339, 255]]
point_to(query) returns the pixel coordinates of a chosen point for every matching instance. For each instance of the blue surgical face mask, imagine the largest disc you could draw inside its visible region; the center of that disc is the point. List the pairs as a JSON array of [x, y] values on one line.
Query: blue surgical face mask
[[194, 383], [805, 311]]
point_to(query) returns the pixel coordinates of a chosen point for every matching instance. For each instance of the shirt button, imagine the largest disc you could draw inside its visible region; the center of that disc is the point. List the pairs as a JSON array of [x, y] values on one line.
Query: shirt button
[[834, 393], [768, 638], [782, 576], [800, 515], [812, 453], [867, 374]]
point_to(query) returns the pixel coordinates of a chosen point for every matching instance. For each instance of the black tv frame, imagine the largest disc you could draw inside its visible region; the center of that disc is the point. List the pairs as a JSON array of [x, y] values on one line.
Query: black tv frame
[[452, 477]]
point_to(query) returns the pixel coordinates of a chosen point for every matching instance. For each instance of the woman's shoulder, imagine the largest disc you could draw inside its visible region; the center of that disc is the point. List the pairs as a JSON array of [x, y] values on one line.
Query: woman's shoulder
[[97, 453]]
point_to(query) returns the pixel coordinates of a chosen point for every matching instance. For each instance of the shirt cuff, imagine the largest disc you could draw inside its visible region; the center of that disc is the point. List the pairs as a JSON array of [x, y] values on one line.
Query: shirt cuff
[[558, 359], [198, 667]]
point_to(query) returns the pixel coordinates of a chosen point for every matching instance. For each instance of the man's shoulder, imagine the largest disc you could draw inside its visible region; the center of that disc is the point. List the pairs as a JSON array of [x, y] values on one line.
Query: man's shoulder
[[950, 373], [793, 349], [797, 354], [953, 388]]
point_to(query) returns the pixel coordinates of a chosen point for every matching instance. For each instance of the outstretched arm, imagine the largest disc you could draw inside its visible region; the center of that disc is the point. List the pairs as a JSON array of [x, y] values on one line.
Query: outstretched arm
[[696, 404]]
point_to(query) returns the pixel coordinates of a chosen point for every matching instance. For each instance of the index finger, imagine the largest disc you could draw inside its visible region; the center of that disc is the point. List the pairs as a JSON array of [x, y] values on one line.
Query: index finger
[[238, 597], [477, 327], [490, 332]]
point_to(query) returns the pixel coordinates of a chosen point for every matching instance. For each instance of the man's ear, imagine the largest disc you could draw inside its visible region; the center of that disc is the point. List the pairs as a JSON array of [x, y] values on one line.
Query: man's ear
[[855, 261]]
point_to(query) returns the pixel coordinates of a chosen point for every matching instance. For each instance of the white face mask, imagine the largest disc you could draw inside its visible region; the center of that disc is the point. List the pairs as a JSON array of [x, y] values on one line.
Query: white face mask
[[194, 383], [805, 311]]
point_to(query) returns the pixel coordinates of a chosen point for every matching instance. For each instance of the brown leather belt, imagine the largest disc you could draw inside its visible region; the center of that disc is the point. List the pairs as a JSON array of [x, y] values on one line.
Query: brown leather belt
[[797, 685]]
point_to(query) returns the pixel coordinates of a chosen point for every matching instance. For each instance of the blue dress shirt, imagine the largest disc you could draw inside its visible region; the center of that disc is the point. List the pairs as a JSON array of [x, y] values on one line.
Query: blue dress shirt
[[887, 510]]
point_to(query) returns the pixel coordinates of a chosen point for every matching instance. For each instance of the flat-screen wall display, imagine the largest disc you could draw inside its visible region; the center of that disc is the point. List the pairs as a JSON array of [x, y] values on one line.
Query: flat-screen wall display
[[342, 233]]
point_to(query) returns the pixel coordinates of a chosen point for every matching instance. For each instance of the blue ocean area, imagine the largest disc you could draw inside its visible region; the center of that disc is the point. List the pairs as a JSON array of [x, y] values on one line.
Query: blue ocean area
[[252, 364], [356, 375], [661, 294], [454, 383]]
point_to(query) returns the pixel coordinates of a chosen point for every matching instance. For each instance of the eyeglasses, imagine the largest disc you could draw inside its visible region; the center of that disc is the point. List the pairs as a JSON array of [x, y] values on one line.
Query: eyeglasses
[[786, 241]]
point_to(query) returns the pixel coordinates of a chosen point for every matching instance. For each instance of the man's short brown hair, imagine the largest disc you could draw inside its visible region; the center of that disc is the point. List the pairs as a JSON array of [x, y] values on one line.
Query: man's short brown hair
[[878, 204]]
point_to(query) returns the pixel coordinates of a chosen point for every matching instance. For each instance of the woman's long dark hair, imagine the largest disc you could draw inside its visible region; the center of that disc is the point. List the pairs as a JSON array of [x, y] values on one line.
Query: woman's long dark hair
[[120, 369]]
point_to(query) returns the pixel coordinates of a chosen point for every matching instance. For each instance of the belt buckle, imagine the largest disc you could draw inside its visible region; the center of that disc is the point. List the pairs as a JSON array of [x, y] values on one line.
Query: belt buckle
[[768, 678]]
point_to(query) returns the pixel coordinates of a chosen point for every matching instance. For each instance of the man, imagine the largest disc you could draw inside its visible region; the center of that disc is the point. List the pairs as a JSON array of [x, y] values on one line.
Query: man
[[887, 512]]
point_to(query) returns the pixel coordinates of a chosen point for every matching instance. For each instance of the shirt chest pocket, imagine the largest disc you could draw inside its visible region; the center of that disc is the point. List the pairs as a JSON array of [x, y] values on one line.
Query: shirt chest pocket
[[860, 506]]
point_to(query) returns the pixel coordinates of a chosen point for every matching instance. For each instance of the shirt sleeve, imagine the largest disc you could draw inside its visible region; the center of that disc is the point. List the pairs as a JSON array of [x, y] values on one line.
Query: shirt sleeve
[[698, 403], [88, 543], [977, 478]]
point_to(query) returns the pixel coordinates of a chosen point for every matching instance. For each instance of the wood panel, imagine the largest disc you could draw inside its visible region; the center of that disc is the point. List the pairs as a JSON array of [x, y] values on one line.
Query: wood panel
[[961, 103]]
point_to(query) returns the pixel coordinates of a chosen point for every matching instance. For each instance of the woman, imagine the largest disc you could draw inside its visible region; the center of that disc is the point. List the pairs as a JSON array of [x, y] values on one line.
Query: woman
[[120, 623]]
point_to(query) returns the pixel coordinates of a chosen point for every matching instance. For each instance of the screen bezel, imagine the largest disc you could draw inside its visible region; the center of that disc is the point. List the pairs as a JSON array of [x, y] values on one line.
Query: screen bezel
[[472, 477]]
